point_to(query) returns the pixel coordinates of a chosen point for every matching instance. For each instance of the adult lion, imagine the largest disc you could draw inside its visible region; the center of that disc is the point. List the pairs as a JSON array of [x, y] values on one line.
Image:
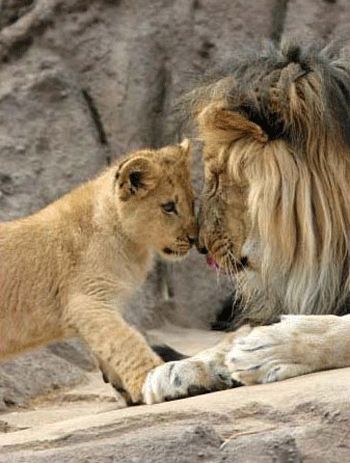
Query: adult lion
[[275, 216]]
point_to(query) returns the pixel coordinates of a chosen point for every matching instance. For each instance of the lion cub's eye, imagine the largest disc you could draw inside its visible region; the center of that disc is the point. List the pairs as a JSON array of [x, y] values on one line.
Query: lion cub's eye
[[169, 208]]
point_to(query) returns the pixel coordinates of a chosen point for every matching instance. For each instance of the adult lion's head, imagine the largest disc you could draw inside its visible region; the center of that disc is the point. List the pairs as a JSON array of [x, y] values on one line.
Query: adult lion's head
[[275, 211]]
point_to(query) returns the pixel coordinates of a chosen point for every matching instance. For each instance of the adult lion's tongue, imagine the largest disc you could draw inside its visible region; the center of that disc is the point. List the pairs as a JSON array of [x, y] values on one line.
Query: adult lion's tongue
[[212, 262]]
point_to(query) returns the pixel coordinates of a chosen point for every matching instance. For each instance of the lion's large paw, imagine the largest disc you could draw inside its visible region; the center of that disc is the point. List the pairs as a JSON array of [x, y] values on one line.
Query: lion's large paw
[[271, 353], [184, 378]]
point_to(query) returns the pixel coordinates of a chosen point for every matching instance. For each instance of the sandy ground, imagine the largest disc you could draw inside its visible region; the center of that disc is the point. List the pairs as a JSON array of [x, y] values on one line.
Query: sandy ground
[[302, 419]]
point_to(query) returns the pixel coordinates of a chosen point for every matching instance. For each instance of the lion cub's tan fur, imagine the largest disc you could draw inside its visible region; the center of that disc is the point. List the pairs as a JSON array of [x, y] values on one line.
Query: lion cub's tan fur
[[69, 269]]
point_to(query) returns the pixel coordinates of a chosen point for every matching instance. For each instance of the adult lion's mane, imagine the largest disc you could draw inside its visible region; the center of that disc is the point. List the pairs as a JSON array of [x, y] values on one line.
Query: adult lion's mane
[[298, 166]]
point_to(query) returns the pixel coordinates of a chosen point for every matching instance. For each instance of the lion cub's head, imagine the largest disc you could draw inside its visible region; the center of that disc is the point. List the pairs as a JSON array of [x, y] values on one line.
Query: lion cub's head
[[156, 201]]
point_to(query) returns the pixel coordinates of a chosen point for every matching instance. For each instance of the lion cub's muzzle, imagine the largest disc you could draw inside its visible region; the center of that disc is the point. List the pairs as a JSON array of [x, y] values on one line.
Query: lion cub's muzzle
[[180, 248]]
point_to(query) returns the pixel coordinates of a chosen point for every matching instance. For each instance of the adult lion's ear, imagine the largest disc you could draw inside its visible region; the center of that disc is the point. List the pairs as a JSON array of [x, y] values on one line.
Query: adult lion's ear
[[221, 125], [136, 177]]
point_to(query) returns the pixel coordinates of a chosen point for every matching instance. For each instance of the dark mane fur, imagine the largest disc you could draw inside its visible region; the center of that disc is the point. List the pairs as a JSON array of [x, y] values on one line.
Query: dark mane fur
[[256, 72]]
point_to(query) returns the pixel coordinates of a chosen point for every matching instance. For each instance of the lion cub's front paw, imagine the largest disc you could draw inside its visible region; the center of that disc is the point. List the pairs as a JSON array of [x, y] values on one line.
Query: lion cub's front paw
[[184, 378]]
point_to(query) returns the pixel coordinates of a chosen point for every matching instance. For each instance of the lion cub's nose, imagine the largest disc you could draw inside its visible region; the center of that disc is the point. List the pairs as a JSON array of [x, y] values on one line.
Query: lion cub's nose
[[201, 248], [192, 240]]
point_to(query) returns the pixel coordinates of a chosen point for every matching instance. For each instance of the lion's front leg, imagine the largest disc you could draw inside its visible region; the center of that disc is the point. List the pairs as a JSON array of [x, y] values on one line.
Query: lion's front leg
[[123, 354], [297, 345], [204, 372]]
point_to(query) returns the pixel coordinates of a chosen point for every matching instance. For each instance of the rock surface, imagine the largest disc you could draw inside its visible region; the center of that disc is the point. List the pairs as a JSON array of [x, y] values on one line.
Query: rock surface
[[35, 374], [305, 419]]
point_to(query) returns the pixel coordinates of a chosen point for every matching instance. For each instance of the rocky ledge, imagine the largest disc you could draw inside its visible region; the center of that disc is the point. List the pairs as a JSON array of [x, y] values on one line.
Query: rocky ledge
[[305, 419]]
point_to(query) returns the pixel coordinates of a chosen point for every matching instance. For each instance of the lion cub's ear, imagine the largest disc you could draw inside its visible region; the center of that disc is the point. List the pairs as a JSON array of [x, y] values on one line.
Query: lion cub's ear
[[136, 177], [186, 146], [186, 150]]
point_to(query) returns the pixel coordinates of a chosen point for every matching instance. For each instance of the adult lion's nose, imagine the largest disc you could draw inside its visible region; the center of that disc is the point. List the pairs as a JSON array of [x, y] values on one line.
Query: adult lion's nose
[[202, 250]]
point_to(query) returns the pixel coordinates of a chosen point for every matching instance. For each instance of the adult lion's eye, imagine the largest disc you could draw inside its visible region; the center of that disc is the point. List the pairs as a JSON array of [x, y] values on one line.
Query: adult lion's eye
[[169, 208]]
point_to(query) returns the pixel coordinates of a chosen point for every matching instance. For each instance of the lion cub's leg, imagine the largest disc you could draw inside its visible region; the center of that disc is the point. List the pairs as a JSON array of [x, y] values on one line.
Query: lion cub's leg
[[297, 345], [204, 372], [118, 347]]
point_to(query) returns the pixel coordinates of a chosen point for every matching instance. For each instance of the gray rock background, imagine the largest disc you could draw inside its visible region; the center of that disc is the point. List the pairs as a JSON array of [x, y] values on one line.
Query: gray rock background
[[301, 420], [84, 81]]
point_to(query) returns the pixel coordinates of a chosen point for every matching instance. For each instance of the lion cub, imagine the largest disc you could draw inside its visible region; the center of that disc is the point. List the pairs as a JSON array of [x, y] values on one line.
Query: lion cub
[[69, 269]]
